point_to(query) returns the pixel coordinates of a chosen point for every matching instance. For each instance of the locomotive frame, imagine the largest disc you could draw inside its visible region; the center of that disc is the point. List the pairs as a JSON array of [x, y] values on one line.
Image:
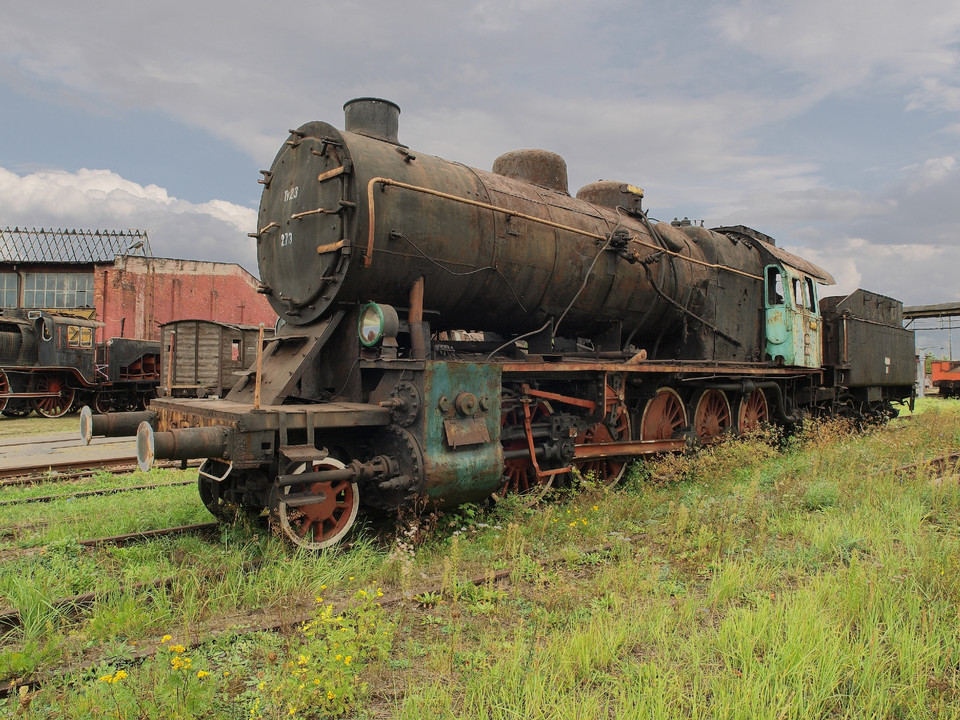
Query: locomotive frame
[[598, 336]]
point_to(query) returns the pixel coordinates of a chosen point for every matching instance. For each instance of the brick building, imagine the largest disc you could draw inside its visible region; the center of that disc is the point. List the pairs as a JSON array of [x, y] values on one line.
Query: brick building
[[111, 276]]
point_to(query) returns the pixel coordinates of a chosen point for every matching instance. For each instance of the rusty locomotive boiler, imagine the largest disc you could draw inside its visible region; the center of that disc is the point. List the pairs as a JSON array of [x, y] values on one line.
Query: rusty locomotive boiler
[[451, 333]]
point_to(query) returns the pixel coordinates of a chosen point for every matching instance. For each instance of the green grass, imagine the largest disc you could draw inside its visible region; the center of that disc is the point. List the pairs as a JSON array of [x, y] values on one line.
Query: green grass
[[793, 578], [36, 425]]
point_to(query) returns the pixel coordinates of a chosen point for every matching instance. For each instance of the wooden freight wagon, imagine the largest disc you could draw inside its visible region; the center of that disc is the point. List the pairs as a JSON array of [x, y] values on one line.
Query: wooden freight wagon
[[202, 358]]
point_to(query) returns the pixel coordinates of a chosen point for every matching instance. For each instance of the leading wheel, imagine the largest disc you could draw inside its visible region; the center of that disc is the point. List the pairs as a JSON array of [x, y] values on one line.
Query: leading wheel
[[664, 416], [102, 402], [711, 419], [214, 493], [316, 515], [53, 406], [754, 412]]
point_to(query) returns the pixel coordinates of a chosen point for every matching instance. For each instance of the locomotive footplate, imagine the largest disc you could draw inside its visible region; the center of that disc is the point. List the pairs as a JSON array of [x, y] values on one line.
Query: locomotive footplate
[[246, 436]]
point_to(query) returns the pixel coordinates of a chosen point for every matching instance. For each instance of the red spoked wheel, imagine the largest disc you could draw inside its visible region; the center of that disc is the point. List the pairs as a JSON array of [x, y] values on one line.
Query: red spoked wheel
[[754, 412], [4, 389], [53, 406], [712, 417], [664, 416], [102, 402], [519, 474], [316, 515], [606, 470]]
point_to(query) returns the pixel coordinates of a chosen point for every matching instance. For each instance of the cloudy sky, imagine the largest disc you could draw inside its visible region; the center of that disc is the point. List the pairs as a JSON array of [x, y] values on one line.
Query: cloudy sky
[[833, 126]]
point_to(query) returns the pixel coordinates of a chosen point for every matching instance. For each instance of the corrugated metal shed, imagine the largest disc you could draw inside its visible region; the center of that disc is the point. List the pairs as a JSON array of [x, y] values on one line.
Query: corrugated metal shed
[[22, 245]]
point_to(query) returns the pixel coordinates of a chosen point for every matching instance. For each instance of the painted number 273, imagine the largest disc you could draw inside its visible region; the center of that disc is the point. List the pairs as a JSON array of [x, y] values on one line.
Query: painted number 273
[[286, 239]]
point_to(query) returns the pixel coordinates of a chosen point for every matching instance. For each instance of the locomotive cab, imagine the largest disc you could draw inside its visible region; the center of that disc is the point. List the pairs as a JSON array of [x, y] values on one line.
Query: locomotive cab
[[793, 326]]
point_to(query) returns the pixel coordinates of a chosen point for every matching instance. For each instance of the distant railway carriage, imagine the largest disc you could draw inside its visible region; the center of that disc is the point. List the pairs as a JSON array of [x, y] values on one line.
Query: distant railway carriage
[[946, 377], [51, 363], [202, 358]]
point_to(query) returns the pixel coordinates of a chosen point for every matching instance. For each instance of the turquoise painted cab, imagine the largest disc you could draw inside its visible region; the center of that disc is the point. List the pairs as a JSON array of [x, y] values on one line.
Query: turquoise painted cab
[[793, 323]]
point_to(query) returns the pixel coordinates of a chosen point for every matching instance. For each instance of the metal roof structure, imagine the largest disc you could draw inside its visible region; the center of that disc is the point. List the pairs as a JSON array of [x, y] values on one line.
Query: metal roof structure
[[22, 245], [941, 310]]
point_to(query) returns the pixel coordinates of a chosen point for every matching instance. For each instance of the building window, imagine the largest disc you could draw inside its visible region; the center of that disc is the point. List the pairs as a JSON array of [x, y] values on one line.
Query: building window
[[8, 290], [57, 290]]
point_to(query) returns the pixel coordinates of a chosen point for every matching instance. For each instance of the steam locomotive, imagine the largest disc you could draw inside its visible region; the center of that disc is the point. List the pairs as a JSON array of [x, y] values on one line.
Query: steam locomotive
[[450, 333], [50, 362]]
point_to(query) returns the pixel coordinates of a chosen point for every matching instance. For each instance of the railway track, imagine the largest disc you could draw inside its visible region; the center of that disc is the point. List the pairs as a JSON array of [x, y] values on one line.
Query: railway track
[[61, 472], [92, 493], [118, 540], [300, 616]]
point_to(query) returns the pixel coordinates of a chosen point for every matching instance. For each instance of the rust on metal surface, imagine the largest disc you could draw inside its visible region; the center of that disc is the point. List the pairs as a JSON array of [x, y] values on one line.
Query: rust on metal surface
[[596, 451], [589, 405], [331, 247], [462, 432]]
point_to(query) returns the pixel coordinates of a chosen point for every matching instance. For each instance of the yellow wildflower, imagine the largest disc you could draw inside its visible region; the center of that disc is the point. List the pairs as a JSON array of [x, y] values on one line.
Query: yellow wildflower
[[202, 674], [347, 659], [166, 638], [177, 649], [121, 674], [330, 695]]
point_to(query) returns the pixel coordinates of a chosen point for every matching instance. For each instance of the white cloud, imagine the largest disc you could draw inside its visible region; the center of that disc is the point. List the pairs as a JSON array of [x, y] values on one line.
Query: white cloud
[[843, 45], [100, 199], [930, 173]]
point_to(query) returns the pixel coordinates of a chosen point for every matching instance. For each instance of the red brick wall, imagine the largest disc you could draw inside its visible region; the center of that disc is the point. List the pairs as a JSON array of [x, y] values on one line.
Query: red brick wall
[[135, 295]]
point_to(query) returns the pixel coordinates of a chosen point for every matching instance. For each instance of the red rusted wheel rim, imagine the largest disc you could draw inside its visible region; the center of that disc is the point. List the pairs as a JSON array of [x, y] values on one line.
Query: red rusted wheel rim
[[101, 403], [519, 475], [4, 389], [663, 417], [323, 523], [754, 412], [606, 470], [711, 419], [56, 405]]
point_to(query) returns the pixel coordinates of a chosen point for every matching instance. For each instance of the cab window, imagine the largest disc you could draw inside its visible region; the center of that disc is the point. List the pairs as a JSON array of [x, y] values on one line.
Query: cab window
[[774, 286], [797, 293], [811, 294]]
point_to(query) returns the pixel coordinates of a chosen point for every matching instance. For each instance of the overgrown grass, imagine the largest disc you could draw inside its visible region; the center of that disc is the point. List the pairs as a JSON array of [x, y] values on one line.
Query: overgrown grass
[[766, 577]]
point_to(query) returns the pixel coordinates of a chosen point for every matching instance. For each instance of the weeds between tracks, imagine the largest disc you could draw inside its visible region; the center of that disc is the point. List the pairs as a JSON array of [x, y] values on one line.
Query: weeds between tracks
[[798, 578]]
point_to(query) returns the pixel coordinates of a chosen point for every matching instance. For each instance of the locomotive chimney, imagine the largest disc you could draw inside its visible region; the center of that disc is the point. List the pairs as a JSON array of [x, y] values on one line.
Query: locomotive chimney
[[373, 117]]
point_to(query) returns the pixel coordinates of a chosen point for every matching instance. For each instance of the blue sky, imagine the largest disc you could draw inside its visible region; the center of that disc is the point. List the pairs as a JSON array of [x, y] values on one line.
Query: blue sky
[[834, 127]]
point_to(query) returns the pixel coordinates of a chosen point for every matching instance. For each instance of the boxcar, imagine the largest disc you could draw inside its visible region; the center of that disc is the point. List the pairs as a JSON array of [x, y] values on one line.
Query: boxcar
[[202, 358]]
